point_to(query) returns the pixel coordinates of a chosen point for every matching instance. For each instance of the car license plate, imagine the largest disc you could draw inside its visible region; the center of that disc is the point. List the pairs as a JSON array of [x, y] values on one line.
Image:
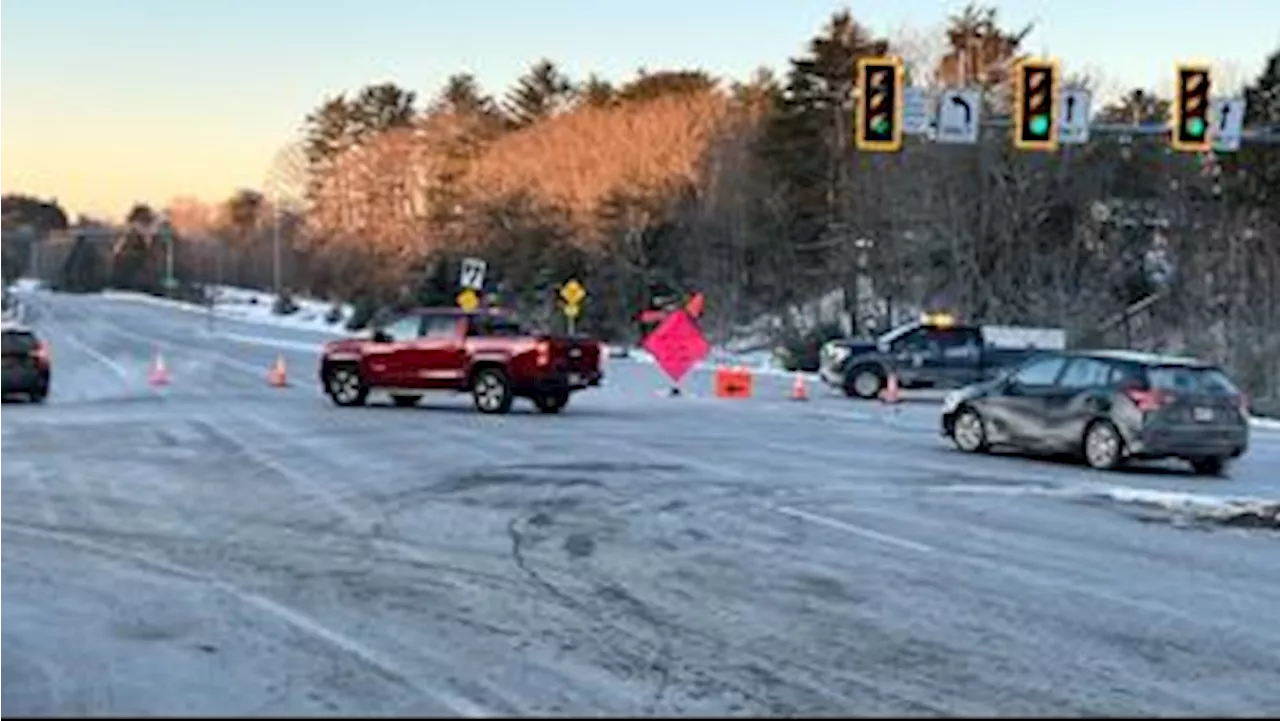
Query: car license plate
[[575, 379], [1203, 415]]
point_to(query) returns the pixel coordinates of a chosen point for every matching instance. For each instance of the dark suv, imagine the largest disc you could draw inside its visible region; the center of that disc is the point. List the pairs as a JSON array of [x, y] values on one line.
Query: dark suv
[[1107, 407], [26, 363]]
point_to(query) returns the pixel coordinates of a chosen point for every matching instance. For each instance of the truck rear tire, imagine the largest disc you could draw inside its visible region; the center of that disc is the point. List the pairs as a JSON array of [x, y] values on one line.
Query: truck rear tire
[[345, 385], [551, 402], [491, 391]]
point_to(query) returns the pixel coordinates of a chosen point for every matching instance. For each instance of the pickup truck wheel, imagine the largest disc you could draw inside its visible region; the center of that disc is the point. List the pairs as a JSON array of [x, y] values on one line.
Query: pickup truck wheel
[[491, 391], [865, 382], [551, 402], [405, 401], [345, 386]]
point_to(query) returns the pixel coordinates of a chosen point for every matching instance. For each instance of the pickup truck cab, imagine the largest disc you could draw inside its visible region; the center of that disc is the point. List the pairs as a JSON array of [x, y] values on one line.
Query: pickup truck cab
[[932, 353], [485, 353]]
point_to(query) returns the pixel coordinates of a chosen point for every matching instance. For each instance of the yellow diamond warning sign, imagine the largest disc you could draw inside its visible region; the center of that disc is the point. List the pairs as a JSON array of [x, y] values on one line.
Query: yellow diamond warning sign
[[573, 293], [468, 300]]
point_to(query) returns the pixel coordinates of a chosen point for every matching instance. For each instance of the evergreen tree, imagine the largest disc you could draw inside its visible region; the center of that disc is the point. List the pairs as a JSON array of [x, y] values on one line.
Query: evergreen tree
[[539, 94]]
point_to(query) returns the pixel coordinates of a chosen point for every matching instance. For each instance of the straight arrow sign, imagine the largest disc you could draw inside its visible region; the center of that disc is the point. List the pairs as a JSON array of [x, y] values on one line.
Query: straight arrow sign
[[1073, 118]]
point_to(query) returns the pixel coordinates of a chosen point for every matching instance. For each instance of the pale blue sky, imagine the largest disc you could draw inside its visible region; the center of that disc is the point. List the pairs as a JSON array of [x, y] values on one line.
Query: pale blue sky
[[109, 101]]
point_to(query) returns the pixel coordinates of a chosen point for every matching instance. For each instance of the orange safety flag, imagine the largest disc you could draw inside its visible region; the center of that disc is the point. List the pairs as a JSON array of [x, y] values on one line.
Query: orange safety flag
[[695, 305]]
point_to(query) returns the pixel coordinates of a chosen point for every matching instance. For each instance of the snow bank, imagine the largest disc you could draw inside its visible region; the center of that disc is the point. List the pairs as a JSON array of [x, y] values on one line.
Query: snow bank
[[1240, 511], [251, 306], [1237, 510], [27, 285]]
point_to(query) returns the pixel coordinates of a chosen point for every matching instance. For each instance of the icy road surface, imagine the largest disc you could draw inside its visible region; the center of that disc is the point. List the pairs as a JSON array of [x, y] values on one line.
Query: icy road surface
[[223, 547]]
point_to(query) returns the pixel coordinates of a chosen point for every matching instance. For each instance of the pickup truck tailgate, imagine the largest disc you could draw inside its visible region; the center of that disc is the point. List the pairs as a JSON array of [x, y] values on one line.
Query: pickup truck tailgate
[[570, 355]]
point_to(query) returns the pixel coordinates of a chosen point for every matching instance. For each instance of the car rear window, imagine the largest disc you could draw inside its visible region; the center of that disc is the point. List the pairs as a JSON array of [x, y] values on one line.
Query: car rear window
[[1209, 381], [17, 342]]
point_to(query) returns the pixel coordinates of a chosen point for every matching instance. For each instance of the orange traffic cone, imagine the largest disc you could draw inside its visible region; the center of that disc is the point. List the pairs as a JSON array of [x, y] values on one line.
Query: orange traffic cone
[[279, 376], [159, 371], [891, 392], [799, 392]]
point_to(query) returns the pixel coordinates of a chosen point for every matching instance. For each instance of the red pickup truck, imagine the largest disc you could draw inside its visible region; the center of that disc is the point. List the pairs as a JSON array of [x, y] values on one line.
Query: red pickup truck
[[485, 353]]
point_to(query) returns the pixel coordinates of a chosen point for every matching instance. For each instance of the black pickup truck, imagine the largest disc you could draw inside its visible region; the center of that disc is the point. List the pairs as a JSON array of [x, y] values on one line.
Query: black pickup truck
[[927, 354]]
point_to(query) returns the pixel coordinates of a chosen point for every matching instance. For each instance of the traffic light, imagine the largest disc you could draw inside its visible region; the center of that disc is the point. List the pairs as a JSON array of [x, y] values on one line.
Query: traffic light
[[879, 112], [1191, 109], [1035, 107]]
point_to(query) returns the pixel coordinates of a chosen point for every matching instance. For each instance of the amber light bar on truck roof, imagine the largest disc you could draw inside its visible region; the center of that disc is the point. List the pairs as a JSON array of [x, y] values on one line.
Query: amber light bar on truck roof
[[941, 320]]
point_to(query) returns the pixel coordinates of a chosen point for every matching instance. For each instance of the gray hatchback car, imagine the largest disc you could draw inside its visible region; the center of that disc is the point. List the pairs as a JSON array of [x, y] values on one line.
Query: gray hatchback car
[[1106, 407]]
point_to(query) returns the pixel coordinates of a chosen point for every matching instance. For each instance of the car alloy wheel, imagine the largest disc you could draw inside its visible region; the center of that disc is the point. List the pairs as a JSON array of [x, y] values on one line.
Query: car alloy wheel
[[967, 432], [344, 384], [1102, 446]]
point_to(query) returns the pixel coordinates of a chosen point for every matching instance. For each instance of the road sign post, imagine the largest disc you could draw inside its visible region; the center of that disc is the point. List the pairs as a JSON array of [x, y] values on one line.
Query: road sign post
[[572, 293]]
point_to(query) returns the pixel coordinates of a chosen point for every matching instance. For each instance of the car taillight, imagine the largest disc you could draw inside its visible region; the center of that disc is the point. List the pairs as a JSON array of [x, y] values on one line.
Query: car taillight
[[544, 353], [1147, 401], [41, 353]]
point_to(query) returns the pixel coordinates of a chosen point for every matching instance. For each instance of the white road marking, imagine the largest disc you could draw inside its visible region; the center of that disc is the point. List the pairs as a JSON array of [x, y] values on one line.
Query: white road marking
[[850, 528], [92, 352]]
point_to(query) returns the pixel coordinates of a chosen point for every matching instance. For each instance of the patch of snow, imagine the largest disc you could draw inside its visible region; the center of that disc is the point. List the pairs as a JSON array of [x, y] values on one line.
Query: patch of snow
[[28, 285], [1266, 424], [251, 306], [1199, 506]]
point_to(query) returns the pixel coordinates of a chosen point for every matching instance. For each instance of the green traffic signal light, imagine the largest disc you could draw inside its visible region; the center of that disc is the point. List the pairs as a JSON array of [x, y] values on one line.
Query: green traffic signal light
[[880, 125], [1195, 127], [1040, 125]]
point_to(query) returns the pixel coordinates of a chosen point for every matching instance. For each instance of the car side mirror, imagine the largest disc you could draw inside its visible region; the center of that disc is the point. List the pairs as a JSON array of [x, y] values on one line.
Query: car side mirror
[[382, 336]]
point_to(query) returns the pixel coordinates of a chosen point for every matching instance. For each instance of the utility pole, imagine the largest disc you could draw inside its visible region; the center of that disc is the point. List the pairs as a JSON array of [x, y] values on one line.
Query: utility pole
[[275, 245]]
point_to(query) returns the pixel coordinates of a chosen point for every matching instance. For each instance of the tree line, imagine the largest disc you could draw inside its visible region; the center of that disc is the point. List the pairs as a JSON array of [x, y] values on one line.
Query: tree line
[[751, 192]]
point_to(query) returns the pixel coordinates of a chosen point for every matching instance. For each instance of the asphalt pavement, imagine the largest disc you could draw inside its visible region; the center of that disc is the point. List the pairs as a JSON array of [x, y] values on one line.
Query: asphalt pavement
[[220, 546]]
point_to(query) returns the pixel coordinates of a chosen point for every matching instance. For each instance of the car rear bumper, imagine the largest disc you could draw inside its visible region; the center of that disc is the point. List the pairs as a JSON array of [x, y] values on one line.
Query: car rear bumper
[[1229, 441]]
